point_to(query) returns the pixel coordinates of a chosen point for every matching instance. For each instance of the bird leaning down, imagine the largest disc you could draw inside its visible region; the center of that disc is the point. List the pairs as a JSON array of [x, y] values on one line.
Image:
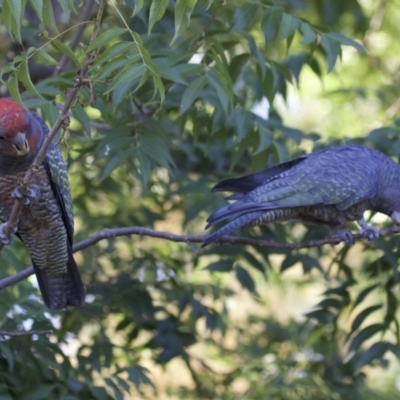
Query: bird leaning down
[[329, 187], [46, 223]]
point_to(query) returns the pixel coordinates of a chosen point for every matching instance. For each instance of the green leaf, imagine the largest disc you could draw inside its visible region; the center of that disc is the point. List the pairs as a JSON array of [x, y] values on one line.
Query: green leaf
[[144, 166], [183, 11], [290, 24], [25, 79], [116, 144], [43, 57], [37, 5], [119, 49], [224, 94], [192, 92], [268, 85], [244, 123], [138, 6], [137, 375], [48, 16], [341, 290], [365, 334], [106, 37], [171, 73], [157, 10], [115, 64], [239, 149], [271, 23], [115, 161], [376, 351], [332, 50], [13, 26], [220, 266], [330, 303], [362, 315], [265, 137], [154, 145], [237, 65], [325, 316], [243, 16], [391, 307], [143, 79], [127, 76], [309, 36], [117, 392], [254, 262], [6, 69], [363, 294], [65, 50], [288, 262], [15, 7], [147, 61], [346, 41], [158, 87], [13, 87], [245, 279], [50, 113]]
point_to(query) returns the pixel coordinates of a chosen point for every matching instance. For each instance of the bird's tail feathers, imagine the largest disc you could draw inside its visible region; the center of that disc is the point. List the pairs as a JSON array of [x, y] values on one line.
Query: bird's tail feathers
[[236, 209], [237, 223], [60, 291]]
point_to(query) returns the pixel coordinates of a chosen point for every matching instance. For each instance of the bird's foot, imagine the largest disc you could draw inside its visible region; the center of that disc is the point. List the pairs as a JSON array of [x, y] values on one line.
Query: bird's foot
[[4, 238], [27, 193], [346, 236], [368, 231], [395, 217]]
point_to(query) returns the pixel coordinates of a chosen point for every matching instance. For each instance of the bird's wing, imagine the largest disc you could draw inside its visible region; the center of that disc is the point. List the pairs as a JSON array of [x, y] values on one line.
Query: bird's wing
[[248, 183], [340, 176], [58, 177]]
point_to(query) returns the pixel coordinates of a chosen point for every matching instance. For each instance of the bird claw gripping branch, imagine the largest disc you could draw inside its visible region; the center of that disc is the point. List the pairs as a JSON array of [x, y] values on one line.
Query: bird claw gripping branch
[[46, 221], [370, 232], [26, 193], [4, 238], [345, 235], [328, 187]]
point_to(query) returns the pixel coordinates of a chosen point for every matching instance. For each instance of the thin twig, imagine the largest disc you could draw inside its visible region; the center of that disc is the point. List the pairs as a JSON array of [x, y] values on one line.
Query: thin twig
[[233, 240], [76, 37], [24, 333], [62, 120]]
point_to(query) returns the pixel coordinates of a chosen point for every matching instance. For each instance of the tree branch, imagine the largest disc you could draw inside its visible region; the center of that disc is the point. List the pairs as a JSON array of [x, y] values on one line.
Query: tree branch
[[141, 231], [24, 333], [62, 120]]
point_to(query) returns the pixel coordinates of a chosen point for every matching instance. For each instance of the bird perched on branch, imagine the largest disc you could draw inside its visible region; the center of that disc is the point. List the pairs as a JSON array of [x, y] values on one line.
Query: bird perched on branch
[[330, 187], [46, 223]]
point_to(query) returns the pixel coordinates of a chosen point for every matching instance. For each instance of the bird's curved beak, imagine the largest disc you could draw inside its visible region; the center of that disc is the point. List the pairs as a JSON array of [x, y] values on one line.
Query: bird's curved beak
[[20, 144]]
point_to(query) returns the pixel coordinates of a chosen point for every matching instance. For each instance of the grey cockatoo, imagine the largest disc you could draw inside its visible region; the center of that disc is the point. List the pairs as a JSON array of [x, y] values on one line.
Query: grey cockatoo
[[330, 187]]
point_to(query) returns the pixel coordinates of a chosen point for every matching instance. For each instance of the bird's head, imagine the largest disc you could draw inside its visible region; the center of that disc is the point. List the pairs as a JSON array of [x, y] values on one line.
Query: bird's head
[[19, 132]]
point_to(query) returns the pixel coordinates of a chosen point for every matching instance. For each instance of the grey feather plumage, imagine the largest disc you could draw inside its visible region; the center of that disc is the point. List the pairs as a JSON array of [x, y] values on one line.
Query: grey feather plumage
[[331, 187]]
